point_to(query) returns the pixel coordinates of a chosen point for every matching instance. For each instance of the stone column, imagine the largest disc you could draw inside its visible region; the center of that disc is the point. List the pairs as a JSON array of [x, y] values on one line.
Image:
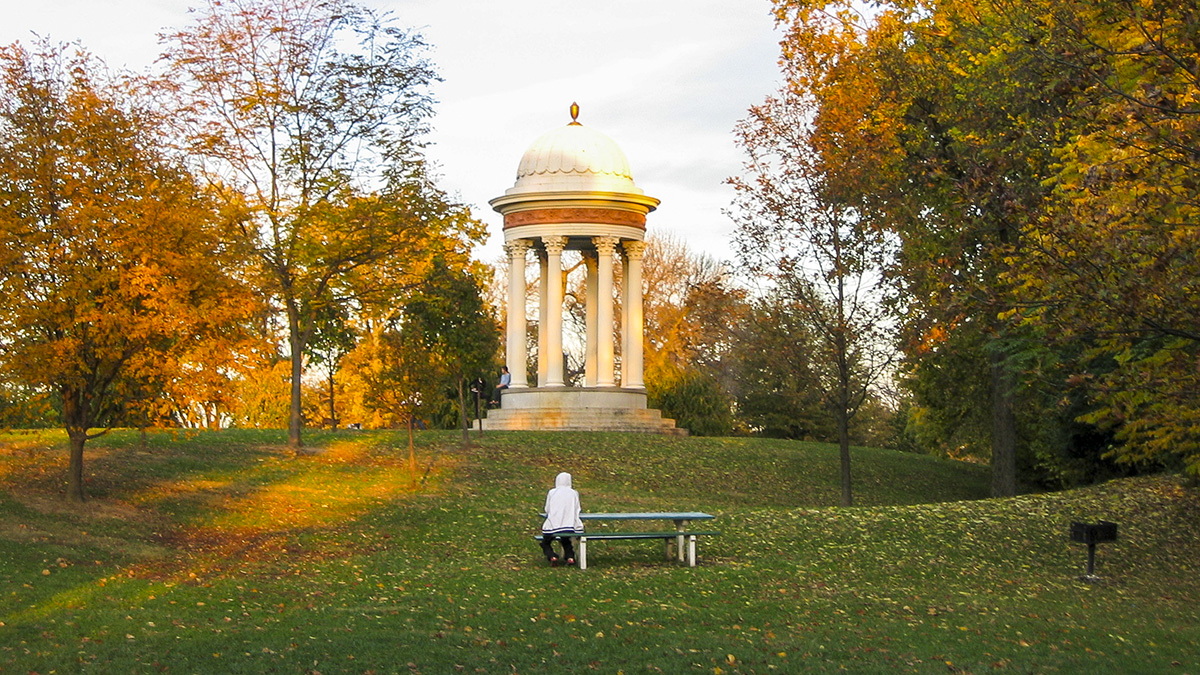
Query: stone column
[[605, 246], [631, 361], [515, 349], [591, 351], [624, 317], [542, 317], [554, 310]]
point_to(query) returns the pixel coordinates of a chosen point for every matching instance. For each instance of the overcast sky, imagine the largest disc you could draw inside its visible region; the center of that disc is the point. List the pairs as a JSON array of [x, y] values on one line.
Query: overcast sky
[[666, 79]]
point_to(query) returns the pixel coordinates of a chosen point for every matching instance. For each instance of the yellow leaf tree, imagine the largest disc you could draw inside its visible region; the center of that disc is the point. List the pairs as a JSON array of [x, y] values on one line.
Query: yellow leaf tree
[[111, 264], [309, 114]]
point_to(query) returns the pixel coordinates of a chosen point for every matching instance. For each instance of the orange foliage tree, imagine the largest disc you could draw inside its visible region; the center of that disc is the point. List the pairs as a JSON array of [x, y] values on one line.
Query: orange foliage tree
[[821, 255], [691, 310], [111, 263], [1038, 160], [308, 114]]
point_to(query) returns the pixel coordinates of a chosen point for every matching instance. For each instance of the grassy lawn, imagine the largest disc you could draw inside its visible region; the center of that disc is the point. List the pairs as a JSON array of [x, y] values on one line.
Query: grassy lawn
[[220, 553]]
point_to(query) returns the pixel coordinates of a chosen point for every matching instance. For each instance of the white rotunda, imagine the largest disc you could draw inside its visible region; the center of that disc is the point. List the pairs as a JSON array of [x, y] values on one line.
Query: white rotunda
[[575, 192]]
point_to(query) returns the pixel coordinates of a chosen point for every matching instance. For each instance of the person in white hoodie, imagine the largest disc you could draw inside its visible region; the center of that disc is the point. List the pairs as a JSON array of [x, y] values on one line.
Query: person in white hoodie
[[562, 520]]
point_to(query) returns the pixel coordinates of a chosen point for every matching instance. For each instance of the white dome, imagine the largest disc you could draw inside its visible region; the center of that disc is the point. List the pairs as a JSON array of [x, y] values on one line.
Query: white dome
[[574, 158]]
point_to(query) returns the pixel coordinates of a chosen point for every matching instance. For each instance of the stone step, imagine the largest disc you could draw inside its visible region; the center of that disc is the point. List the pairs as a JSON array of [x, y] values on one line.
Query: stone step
[[588, 419]]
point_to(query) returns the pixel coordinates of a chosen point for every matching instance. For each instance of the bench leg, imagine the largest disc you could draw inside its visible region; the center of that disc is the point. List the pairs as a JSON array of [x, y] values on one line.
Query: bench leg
[[692, 550], [582, 553], [667, 547], [679, 547]]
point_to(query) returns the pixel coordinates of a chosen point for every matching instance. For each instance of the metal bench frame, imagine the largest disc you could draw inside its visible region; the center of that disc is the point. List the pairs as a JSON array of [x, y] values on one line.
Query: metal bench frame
[[674, 535]]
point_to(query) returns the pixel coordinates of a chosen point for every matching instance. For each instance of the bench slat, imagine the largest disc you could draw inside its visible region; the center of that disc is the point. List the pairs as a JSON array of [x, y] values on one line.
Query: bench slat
[[634, 535], [645, 535]]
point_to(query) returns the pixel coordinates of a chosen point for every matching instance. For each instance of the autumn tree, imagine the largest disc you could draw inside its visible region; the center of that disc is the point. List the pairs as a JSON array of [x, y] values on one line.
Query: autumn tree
[[1115, 254], [939, 120], [333, 337], [1038, 160], [819, 254], [25, 407], [459, 332], [301, 110], [111, 257], [691, 309], [981, 131], [776, 372], [391, 377]]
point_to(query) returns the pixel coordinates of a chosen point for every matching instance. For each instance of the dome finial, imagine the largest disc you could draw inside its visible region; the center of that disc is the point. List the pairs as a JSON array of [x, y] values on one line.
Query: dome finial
[[575, 114]]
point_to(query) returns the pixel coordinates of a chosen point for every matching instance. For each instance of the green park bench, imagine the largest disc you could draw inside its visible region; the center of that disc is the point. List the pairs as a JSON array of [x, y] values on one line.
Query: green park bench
[[683, 537]]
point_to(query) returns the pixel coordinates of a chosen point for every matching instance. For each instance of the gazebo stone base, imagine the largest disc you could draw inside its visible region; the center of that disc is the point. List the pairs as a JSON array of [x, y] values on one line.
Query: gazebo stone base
[[578, 409]]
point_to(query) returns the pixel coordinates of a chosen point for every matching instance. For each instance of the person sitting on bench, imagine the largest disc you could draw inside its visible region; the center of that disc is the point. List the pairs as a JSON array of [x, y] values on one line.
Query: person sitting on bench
[[562, 519]]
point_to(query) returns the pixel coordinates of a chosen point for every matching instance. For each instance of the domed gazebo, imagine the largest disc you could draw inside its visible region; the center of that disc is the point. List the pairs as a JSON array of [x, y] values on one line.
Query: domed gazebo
[[575, 192]]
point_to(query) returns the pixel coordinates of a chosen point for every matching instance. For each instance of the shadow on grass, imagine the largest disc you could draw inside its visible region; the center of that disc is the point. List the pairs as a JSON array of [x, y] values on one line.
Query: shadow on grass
[[191, 505]]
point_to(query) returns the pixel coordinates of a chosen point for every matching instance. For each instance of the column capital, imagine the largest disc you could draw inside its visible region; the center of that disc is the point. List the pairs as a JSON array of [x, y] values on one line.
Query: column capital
[[633, 249], [517, 247], [554, 245], [606, 245]]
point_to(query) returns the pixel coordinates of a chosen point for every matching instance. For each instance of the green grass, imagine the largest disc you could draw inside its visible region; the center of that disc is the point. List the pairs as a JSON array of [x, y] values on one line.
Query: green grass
[[221, 553]]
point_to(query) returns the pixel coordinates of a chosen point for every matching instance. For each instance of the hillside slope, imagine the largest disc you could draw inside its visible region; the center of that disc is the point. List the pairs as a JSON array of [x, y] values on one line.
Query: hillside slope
[[219, 552]]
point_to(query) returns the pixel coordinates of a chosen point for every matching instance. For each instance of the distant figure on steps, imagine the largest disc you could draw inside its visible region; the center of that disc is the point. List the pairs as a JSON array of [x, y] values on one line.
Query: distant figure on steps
[[505, 380]]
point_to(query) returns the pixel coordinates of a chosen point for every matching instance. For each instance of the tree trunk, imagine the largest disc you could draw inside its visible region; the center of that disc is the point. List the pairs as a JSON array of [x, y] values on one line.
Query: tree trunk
[[295, 411], [1004, 430], [333, 425], [843, 430], [75, 468], [412, 452], [478, 418], [76, 421], [462, 408], [842, 337]]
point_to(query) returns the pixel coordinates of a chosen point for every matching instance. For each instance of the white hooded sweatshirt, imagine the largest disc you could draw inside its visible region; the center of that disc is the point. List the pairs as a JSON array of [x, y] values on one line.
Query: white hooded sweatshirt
[[562, 507]]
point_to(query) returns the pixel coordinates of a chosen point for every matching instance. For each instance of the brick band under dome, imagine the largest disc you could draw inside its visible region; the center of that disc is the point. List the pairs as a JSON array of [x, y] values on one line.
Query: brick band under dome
[[607, 216]]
